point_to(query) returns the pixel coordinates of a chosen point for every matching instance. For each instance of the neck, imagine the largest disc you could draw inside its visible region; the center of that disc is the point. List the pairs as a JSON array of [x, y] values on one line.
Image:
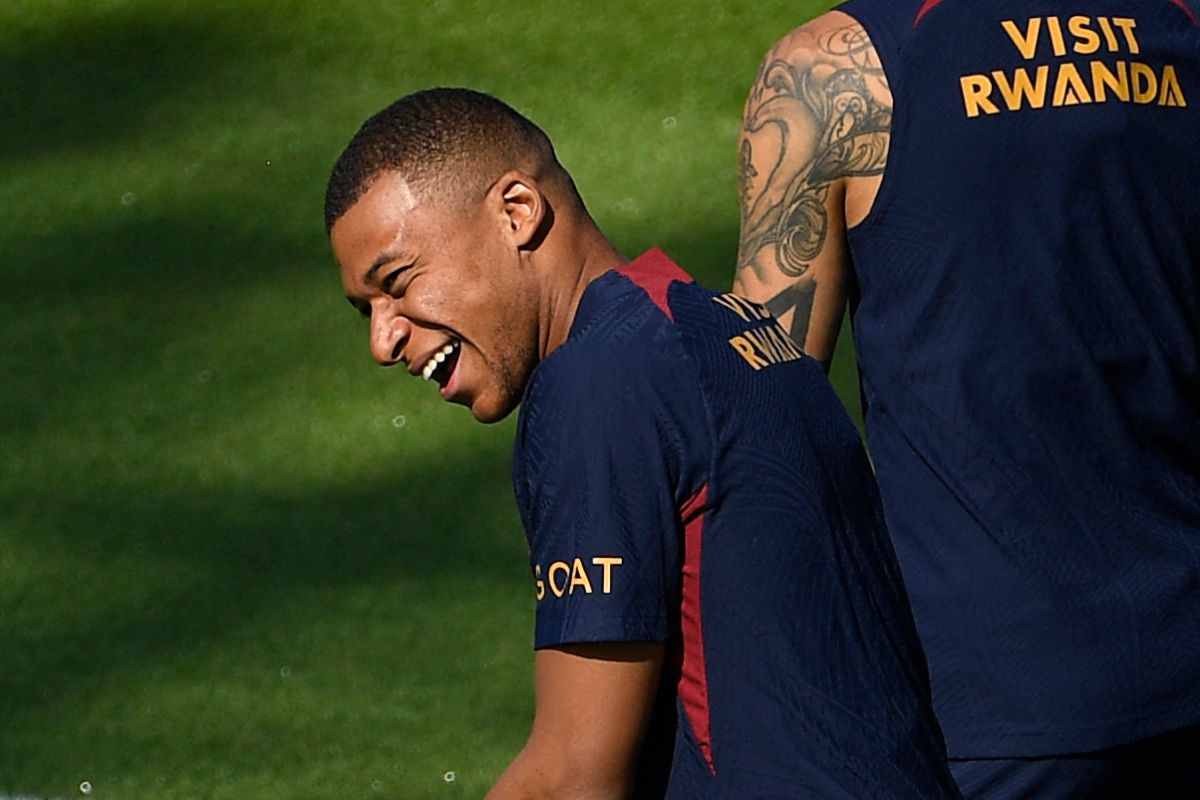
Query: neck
[[571, 264]]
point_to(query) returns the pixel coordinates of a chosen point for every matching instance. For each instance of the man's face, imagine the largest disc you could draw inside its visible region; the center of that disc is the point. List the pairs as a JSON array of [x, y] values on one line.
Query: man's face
[[446, 293]]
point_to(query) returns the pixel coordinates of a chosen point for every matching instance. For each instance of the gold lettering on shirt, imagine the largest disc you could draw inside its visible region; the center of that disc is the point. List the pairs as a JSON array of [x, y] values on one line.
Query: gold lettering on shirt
[[765, 347], [558, 567], [1087, 41], [1116, 79], [1025, 42], [1069, 89], [579, 578], [1023, 90], [566, 578], [747, 310], [607, 563], [1058, 82], [762, 346]]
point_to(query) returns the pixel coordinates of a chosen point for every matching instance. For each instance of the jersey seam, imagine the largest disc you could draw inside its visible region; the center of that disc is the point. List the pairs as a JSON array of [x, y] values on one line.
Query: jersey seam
[[883, 196]]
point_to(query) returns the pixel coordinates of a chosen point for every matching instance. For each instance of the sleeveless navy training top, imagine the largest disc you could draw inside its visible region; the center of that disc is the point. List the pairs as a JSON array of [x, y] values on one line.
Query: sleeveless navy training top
[[1028, 328]]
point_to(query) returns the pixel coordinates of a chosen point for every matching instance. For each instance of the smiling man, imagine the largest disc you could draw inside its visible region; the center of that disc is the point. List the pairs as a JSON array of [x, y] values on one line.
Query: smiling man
[[719, 612]]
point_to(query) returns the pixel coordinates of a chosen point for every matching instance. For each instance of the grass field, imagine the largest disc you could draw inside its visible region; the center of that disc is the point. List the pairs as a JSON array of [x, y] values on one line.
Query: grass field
[[236, 560]]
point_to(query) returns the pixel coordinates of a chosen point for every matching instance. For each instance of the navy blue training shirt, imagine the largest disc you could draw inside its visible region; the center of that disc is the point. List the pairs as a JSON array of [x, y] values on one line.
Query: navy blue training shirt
[[1028, 332], [685, 475]]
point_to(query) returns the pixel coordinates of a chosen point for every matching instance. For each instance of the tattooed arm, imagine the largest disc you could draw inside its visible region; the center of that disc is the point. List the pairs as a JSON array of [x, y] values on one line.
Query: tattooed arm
[[814, 142]]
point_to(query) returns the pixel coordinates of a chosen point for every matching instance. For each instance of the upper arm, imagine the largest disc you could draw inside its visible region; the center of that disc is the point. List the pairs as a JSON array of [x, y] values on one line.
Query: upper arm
[[813, 146], [593, 702], [604, 467], [601, 464]]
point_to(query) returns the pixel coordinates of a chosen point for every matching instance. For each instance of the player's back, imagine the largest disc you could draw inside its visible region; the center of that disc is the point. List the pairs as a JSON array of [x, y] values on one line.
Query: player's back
[[812, 655], [1029, 339], [794, 667]]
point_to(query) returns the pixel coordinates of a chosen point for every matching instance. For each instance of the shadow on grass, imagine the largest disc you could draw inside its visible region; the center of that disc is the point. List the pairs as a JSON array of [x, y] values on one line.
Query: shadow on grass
[[232, 559], [108, 76], [92, 313]]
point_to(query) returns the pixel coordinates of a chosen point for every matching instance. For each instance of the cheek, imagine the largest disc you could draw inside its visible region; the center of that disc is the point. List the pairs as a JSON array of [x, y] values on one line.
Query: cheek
[[441, 301]]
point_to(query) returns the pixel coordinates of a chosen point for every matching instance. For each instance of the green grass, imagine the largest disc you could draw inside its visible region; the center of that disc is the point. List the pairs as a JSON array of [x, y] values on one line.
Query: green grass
[[236, 560]]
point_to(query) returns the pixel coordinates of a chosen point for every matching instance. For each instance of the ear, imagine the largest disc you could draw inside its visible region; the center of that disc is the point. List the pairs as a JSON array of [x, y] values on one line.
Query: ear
[[524, 206]]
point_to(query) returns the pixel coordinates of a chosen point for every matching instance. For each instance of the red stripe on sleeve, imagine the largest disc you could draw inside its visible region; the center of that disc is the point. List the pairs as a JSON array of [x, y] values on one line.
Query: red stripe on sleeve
[[925, 9], [654, 271], [693, 680]]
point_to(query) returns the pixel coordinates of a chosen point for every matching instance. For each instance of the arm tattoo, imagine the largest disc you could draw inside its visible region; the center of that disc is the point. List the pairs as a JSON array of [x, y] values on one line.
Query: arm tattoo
[[829, 127]]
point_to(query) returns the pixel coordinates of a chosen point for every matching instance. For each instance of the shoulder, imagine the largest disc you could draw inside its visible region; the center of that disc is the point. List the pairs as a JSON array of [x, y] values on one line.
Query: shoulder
[[817, 123], [635, 352], [831, 37], [623, 320], [809, 35], [626, 348], [823, 81], [830, 57], [618, 397], [852, 27]]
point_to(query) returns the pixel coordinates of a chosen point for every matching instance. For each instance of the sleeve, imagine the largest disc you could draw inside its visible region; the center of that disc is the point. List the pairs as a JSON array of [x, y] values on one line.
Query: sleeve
[[607, 452]]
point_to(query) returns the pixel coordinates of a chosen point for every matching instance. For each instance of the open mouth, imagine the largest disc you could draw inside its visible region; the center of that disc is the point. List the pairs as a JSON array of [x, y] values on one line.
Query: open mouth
[[440, 365]]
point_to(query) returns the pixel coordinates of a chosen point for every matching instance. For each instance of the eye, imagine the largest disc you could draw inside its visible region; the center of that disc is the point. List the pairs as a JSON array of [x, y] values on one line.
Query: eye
[[389, 280]]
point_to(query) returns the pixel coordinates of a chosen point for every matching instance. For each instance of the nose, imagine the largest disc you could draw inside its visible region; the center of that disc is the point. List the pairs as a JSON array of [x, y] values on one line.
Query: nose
[[389, 332]]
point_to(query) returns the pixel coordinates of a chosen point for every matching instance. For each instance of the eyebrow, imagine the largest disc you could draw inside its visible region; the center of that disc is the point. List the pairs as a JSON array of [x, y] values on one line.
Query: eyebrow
[[384, 258]]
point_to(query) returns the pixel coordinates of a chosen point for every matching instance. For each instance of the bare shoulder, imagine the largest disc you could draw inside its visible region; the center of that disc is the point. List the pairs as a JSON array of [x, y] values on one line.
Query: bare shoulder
[[835, 38], [834, 45], [817, 116]]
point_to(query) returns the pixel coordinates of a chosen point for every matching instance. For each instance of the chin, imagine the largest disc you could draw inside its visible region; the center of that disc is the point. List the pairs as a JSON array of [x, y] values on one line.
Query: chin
[[492, 411]]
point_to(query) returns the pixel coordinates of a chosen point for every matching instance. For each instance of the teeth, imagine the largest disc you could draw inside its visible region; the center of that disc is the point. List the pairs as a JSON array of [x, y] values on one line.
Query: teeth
[[437, 359]]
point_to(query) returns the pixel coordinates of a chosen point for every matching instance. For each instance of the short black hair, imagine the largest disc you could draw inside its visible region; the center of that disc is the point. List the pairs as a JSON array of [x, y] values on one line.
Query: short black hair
[[464, 138]]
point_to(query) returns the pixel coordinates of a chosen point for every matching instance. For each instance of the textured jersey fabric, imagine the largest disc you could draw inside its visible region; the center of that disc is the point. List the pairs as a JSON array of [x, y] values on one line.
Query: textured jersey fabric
[[1028, 329], [686, 476]]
